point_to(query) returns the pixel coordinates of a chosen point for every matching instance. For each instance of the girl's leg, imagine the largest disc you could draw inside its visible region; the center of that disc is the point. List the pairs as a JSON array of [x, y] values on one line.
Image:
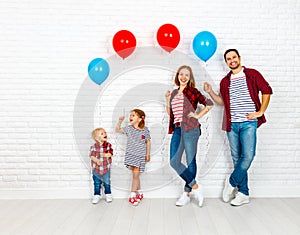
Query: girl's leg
[[136, 184]]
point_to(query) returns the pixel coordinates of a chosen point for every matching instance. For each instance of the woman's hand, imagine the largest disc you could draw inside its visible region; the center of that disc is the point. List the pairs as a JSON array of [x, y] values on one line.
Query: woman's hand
[[193, 115], [168, 95]]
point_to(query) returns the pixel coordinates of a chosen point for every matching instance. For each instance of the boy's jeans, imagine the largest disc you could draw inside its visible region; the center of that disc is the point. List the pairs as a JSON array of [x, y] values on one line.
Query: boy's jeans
[[98, 180]]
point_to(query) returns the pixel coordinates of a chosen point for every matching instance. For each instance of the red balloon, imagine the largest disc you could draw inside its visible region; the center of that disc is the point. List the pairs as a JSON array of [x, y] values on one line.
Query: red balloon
[[168, 37], [124, 43]]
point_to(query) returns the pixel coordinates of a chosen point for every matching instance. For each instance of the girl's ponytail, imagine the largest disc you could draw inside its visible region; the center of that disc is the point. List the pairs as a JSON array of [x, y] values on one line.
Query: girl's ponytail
[[141, 115]]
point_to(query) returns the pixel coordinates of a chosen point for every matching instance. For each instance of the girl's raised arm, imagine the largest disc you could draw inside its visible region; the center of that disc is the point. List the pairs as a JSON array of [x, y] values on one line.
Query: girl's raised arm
[[118, 127]]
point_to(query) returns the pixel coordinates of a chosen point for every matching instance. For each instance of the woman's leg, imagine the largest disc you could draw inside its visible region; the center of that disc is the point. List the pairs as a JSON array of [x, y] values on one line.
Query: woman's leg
[[176, 151], [190, 139]]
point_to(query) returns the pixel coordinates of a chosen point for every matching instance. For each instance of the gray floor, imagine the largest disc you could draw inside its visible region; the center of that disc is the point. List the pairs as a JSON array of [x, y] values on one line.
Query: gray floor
[[152, 216]]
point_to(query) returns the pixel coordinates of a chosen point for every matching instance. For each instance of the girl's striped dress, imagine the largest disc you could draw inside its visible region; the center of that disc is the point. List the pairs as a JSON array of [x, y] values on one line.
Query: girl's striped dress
[[135, 154]]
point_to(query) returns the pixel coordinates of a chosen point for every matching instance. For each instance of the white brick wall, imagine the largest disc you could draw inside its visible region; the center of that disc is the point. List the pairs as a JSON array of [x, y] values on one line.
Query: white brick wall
[[46, 46]]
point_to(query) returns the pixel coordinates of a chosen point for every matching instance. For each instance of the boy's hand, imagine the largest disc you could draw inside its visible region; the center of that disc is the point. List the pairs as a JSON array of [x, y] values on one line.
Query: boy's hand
[[147, 158], [121, 119]]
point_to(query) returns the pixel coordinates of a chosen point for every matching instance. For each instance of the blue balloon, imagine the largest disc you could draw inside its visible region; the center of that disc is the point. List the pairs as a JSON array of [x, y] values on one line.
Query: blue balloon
[[98, 70], [204, 45]]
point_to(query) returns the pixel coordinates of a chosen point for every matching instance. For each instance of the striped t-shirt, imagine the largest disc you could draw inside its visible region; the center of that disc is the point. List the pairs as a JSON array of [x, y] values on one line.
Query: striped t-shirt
[[177, 107], [240, 101]]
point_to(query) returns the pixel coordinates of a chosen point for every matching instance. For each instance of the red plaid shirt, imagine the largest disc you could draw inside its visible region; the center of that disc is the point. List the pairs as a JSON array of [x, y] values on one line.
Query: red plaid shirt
[[191, 97], [105, 162], [256, 83]]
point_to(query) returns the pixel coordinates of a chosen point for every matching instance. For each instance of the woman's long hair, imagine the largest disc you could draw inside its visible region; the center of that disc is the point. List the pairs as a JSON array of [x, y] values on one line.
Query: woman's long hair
[[191, 82]]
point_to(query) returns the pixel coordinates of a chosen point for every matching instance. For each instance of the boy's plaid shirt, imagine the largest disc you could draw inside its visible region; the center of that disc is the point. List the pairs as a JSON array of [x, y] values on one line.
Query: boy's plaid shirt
[[105, 162]]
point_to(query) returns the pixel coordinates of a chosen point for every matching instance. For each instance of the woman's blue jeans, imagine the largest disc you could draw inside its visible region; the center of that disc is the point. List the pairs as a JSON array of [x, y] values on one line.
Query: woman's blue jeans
[[98, 180], [242, 141], [185, 141]]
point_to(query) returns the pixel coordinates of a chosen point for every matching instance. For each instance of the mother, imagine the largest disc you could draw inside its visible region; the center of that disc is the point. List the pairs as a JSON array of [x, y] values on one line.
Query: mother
[[185, 127]]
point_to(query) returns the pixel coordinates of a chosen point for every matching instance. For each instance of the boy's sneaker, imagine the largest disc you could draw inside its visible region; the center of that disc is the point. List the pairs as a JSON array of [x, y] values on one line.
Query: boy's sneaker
[[133, 201], [108, 198], [139, 197], [240, 199], [228, 191], [183, 200], [96, 199]]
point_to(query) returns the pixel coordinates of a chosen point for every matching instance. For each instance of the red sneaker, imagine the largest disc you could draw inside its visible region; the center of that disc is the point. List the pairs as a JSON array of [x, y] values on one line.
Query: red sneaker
[[139, 197], [133, 201]]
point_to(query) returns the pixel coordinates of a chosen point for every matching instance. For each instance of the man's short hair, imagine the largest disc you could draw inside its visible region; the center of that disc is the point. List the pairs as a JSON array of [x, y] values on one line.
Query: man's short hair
[[229, 50]]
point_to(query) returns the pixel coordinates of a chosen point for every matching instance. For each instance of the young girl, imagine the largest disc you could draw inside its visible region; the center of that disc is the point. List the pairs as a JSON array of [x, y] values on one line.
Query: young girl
[[185, 129], [137, 150], [100, 154]]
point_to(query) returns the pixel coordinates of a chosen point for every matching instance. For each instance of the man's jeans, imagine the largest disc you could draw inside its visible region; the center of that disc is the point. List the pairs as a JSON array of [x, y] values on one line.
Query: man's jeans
[[188, 141], [242, 141], [98, 180]]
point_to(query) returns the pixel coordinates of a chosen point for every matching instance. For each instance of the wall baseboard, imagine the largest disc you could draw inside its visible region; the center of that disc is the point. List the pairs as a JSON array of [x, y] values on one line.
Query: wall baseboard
[[167, 192]]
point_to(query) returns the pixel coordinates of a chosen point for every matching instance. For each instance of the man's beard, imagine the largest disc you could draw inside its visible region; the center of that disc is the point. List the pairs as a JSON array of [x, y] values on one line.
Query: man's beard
[[235, 67]]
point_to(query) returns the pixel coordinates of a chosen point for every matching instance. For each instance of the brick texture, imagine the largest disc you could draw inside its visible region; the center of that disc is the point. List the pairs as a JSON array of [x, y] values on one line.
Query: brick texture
[[45, 49]]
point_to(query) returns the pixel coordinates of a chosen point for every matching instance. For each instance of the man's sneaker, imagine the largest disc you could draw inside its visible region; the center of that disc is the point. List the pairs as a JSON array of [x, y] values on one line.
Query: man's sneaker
[[108, 198], [240, 199], [183, 200], [133, 201], [199, 195], [228, 191], [139, 197], [96, 199]]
